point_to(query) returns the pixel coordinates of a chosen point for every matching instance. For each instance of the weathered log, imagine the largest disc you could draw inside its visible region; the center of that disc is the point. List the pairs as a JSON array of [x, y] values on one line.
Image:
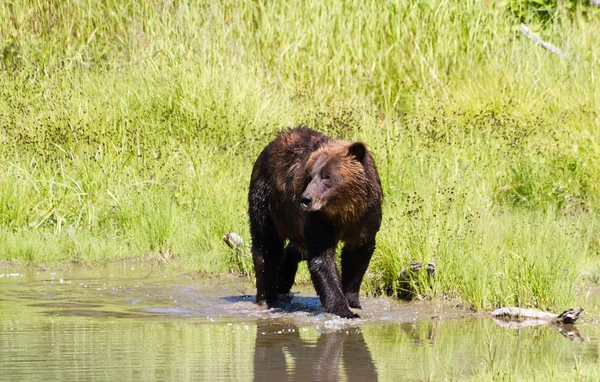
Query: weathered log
[[405, 290], [568, 317], [518, 318]]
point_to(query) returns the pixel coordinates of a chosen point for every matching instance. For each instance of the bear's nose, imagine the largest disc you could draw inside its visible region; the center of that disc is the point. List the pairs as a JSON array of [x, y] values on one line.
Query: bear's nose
[[305, 201]]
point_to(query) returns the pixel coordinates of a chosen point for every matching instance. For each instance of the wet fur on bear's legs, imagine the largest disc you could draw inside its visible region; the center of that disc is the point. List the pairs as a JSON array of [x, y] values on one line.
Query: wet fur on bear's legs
[[321, 246], [266, 254], [267, 247], [355, 261], [289, 266], [324, 275]]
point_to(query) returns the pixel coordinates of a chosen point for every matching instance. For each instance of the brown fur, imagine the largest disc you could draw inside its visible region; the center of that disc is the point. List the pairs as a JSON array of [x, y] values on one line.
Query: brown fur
[[350, 198], [314, 191]]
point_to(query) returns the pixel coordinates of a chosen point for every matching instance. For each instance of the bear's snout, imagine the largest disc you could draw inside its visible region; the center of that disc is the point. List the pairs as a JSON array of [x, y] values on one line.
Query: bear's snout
[[306, 201], [309, 204]]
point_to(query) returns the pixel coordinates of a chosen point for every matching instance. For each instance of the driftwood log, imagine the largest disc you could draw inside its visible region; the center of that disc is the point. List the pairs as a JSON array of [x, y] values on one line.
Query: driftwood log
[[568, 317], [518, 318]]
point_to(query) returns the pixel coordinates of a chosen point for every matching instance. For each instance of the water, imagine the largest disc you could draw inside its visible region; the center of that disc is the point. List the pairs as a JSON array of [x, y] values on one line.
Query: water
[[123, 322]]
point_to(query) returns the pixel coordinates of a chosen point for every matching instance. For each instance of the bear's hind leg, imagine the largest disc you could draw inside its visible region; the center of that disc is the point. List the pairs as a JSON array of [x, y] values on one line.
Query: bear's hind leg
[[289, 266], [266, 254], [267, 247]]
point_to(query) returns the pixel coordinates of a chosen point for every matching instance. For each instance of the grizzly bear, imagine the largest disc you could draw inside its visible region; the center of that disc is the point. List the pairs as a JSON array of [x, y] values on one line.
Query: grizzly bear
[[313, 191]]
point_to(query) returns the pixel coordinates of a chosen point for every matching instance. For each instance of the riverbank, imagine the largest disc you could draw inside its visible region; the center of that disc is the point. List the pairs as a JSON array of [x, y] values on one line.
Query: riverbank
[[129, 131]]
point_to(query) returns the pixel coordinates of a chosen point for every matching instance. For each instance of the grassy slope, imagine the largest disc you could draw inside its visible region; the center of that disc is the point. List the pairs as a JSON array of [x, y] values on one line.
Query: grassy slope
[[129, 129]]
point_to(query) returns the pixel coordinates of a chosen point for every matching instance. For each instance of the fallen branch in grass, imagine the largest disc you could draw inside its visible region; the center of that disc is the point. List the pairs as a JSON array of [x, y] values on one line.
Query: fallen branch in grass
[[546, 45]]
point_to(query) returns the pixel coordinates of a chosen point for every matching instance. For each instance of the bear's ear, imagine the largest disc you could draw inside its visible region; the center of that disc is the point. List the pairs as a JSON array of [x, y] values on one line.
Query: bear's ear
[[357, 150]]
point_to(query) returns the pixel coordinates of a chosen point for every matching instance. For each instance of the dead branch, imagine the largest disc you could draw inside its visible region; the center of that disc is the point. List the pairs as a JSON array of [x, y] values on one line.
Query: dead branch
[[536, 39]]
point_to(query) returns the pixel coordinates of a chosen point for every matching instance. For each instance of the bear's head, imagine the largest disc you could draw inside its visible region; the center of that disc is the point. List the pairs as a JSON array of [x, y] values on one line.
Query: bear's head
[[334, 180]]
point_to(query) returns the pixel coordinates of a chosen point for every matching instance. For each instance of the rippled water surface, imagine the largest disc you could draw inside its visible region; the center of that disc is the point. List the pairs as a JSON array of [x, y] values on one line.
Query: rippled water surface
[[123, 322]]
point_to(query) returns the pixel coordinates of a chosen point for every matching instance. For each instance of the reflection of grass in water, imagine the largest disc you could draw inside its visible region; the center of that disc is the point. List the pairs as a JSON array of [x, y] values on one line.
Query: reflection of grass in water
[[130, 131], [479, 350]]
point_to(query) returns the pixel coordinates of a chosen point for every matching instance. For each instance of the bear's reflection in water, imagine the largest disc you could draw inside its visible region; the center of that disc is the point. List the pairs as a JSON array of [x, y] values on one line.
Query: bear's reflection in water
[[282, 354]]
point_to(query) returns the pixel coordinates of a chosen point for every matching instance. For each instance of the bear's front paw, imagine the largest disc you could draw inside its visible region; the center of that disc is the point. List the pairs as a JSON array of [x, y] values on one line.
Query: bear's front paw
[[347, 314]]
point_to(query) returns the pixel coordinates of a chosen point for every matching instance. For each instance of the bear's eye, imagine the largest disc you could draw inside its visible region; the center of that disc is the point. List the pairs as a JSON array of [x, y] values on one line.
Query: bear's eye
[[327, 176]]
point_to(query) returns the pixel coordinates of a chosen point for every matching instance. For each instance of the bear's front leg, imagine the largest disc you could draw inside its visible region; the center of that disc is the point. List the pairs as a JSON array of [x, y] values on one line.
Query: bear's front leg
[[324, 275], [321, 246], [355, 261]]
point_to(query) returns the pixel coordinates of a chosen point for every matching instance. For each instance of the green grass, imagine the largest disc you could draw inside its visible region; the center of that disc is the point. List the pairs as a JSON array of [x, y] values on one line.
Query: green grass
[[129, 128]]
